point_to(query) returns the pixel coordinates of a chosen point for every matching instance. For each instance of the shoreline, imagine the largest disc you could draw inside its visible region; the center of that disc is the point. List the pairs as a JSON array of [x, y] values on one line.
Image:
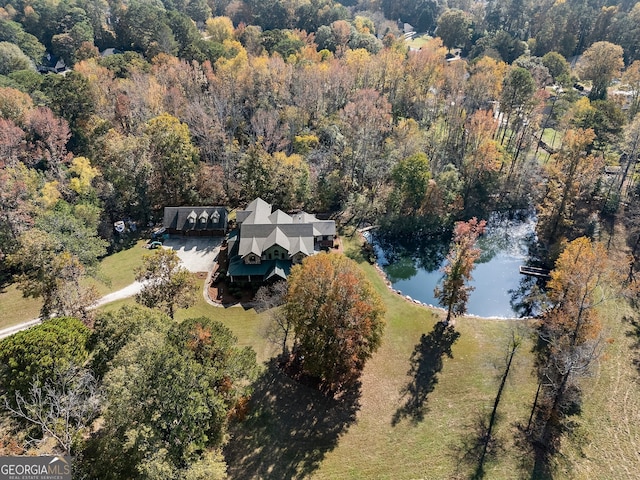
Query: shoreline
[[389, 285]]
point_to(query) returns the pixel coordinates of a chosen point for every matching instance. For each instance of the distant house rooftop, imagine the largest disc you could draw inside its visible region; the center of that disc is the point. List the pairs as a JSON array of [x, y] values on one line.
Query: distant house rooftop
[[51, 64], [107, 52]]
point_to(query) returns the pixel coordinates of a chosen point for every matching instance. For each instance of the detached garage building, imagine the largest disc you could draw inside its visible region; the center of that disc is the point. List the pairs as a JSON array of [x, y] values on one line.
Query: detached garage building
[[196, 221]]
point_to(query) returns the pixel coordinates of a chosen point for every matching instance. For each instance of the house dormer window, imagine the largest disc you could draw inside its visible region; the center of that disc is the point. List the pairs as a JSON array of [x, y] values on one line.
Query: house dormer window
[[215, 217], [192, 217]]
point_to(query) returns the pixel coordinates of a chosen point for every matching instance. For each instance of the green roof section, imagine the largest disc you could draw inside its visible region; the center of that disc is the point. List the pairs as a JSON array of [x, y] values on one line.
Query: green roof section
[[267, 269]]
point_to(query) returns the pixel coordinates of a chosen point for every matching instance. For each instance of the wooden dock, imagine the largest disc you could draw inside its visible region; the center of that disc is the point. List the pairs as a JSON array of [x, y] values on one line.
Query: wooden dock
[[535, 271]]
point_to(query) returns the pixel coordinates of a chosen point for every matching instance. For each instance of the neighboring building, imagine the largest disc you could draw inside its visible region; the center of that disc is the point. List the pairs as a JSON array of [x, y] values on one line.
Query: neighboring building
[[267, 243], [51, 64], [107, 52], [196, 221]]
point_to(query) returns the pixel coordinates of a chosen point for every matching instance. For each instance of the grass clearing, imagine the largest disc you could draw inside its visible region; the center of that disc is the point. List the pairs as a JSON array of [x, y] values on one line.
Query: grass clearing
[[417, 409], [607, 444], [552, 137], [382, 433], [116, 272], [247, 325], [14, 308], [419, 41], [294, 432]]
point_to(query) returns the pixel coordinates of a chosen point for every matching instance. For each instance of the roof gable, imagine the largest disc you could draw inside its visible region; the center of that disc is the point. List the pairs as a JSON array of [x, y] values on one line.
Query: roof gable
[[279, 217], [204, 218], [277, 237], [259, 212]]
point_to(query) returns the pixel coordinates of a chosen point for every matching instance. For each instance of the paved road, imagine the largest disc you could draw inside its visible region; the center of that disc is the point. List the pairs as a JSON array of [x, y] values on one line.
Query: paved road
[[17, 328], [196, 255], [126, 292]]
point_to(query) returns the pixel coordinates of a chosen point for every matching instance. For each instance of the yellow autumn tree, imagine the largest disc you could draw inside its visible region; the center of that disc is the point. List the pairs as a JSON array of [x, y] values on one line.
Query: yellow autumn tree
[[219, 29], [50, 194], [82, 174]]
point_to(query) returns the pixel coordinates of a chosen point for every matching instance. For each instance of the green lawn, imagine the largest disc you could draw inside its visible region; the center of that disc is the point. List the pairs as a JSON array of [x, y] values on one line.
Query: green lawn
[[416, 412], [418, 42], [295, 432], [14, 308], [249, 327], [552, 137], [116, 272], [383, 433], [607, 445]]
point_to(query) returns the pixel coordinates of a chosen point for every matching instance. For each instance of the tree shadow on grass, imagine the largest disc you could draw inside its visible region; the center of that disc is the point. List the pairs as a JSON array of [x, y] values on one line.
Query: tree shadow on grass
[[477, 449], [634, 333], [289, 430], [426, 363]]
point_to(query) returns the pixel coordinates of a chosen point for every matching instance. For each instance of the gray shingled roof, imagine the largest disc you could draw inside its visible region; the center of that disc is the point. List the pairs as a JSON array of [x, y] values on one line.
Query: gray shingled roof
[[204, 218], [276, 237], [279, 217], [259, 212], [261, 229], [301, 244], [325, 227]]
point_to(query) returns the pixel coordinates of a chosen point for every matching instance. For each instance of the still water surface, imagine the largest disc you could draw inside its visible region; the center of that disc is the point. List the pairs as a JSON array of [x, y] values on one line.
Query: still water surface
[[496, 277]]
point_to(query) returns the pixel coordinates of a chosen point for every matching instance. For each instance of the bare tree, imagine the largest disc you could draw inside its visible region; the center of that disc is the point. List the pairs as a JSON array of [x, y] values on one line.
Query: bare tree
[[63, 407], [268, 298]]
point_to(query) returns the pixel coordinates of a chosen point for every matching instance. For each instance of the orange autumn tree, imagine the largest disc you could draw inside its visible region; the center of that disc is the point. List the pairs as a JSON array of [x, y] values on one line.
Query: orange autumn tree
[[575, 290], [453, 292], [337, 317], [571, 175], [569, 341]]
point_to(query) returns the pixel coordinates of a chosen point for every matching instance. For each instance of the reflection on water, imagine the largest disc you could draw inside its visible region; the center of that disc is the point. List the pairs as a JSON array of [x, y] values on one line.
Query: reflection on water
[[500, 290]]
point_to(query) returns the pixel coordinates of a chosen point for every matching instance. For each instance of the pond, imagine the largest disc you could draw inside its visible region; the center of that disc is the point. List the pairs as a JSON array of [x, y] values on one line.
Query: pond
[[500, 289]]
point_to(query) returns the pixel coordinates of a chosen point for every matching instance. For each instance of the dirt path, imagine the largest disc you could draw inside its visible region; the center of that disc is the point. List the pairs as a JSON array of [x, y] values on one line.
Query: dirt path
[[126, 292]]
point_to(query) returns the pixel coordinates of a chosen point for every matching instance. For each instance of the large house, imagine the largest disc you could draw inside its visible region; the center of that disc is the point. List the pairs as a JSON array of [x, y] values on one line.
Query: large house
[[198, 221], [267, 243]]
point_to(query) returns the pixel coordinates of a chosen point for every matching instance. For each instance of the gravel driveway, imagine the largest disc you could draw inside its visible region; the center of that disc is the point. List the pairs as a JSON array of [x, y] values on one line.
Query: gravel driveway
[[198, 254]]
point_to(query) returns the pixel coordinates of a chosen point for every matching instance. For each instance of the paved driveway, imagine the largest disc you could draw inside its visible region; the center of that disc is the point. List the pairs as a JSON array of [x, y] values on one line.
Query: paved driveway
[[198, 254]]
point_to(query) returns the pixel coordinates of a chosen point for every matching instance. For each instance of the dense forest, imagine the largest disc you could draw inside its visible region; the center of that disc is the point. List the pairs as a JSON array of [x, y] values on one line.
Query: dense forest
[[111, 110]]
